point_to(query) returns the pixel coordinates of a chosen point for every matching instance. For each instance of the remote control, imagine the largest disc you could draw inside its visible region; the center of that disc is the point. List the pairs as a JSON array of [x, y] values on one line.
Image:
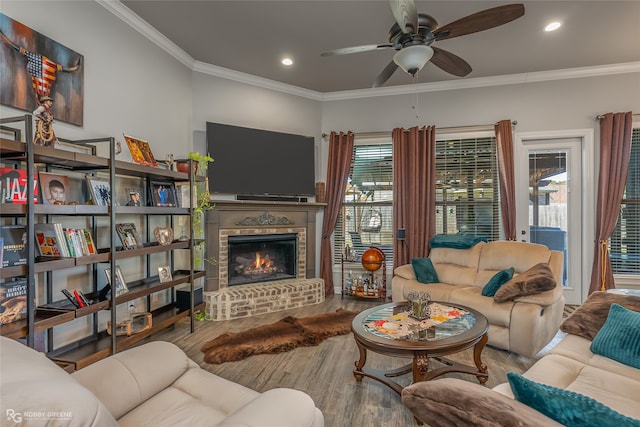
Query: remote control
[[71, 298]]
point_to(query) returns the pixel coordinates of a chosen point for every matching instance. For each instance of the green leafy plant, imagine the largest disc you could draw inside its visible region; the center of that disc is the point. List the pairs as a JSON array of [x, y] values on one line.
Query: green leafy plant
[[203, 204]]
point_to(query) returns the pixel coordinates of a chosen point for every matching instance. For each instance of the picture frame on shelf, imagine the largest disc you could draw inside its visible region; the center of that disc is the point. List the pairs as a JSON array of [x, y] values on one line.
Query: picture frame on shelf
[[133, 197], [120, 286], [163, 235], [140, 151], [129, 236], [164, 274], [163, 194], [100, 190], [54, 188]]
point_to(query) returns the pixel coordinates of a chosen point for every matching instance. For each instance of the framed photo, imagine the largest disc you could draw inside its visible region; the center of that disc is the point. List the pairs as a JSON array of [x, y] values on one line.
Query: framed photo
[[121, 285], [163, 194], [133, 197], [163, 235], [140, 151], [100, 190], [164, 273], [54, 188], [129, 236]]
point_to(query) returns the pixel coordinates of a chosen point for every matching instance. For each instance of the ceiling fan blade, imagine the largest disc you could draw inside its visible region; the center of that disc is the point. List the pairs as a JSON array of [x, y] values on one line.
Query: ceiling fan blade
[[356, 49], [406, 15], [385, 74], [449, 62], [480, 21]]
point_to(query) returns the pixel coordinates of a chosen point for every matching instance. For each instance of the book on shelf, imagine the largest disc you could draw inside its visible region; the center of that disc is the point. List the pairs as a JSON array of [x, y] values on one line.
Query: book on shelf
[[13, 185], [49, 241], [91, 246], [14, 245], [13, 300]]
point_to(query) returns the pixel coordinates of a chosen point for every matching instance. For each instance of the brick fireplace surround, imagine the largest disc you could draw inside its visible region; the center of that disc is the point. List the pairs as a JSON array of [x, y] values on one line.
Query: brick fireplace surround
[[235, 218]]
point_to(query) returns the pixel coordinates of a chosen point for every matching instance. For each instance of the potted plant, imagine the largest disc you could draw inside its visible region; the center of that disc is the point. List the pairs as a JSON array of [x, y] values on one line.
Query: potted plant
[[203, 203]]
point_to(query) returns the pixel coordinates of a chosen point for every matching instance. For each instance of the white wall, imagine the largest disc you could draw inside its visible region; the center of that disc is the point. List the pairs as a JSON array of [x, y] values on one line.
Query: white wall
[[130, 85], [562, 104]]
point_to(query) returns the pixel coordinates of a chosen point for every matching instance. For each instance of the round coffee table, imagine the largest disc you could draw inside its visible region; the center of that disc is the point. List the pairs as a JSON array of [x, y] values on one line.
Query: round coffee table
[[387, 329]]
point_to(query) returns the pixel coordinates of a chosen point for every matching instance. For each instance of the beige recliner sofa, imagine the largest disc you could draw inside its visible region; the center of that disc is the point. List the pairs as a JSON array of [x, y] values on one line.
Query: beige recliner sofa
[[523, 325], [155, 384], [570, 365]]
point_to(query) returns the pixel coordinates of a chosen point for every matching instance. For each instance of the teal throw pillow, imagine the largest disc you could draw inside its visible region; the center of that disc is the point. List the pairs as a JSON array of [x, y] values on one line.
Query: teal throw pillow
[[566, 407], [425, 272], [498, 279], [619, 337]]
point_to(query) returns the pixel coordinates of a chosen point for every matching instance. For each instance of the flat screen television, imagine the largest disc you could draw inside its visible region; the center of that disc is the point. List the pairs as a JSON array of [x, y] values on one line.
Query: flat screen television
[[260, 162]]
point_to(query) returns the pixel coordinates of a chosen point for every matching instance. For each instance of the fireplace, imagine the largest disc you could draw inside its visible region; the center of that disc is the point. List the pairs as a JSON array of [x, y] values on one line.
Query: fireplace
[[239, 234], [261, 258]]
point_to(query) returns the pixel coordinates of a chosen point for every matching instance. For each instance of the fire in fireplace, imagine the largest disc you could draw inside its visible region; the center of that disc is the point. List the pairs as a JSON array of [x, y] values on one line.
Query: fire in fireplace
[[262, 257]]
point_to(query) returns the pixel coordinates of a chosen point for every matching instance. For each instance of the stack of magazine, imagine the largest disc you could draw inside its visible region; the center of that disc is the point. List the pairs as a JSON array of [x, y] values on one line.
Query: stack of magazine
[[54, 240]]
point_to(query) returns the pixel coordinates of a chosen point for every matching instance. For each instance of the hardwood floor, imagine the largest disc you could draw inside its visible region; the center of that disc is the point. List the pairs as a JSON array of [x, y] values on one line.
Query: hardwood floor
[[325, 371]]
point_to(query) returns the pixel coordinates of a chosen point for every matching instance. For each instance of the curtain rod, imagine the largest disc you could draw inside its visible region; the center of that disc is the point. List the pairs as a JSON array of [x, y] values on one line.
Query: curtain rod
[[601, 116], [451, 129]]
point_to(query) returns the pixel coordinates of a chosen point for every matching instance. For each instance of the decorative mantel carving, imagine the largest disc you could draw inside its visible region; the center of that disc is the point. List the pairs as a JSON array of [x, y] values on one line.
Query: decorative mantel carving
[[264, 220]]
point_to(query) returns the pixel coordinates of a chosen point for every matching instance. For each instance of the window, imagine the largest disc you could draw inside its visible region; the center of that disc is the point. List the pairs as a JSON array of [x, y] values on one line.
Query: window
[[624, 244], [467, 196], [366, 217]]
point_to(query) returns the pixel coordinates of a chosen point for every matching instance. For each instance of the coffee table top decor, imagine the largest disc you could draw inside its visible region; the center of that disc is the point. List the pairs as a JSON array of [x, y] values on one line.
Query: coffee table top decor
[[397, 323]]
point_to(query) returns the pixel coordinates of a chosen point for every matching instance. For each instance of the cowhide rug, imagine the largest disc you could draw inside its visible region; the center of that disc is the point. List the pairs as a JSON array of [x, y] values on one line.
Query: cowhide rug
[[283, 335]]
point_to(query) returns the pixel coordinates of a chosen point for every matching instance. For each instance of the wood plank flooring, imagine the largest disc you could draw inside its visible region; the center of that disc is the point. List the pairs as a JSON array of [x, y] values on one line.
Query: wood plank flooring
[[325, 371]]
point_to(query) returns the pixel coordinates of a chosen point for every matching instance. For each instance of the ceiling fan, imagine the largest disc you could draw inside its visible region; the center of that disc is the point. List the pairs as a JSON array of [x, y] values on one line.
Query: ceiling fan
[[413, 34]]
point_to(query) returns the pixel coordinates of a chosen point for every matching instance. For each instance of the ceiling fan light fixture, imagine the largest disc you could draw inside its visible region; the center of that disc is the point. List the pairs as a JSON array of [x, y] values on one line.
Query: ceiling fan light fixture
[[412, 58]]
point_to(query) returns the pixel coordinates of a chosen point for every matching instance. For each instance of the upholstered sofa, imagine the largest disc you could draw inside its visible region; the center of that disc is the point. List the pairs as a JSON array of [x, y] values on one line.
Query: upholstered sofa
[[569, 385], [524, 324], [155, 384]]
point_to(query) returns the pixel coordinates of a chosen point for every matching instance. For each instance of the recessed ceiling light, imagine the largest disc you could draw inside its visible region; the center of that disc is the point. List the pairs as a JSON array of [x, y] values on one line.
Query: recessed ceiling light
[[552, 26], [287, 61]]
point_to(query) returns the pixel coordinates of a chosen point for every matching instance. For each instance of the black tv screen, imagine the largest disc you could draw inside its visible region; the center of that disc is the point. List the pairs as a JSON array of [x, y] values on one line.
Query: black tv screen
[[260, 162]]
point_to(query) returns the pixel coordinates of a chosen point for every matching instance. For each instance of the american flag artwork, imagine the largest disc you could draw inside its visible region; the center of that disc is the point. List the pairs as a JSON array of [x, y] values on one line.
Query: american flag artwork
[[43, 72], [32, 66]]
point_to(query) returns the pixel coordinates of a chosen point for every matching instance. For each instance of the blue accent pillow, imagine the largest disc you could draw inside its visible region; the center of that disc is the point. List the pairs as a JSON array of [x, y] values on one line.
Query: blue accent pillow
[[498, 279], [455, 241], [425, 272], [619, 337], [566, 407]]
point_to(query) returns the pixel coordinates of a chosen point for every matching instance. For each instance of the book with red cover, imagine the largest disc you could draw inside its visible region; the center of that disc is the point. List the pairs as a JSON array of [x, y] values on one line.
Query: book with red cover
[[13, 186]]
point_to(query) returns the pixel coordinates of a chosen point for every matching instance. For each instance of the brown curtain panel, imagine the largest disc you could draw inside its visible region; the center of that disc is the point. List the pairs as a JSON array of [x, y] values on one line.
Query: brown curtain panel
[[506, 176], [615, 150], [414, 195], [340, 154]]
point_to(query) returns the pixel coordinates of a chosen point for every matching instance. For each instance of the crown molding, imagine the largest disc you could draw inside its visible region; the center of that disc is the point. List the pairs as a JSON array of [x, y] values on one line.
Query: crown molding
[[137, 23], [134, 21], [226, 73], [478, 82]]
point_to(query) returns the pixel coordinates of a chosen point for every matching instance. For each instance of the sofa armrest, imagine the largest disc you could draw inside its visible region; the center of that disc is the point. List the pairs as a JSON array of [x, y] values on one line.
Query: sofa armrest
[[125, 380], [405, 271], [279, 407], [450, 402]]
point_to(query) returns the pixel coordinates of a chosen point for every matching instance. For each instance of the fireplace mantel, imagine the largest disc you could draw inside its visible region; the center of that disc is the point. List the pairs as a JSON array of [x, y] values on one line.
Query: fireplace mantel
[[250, 216]]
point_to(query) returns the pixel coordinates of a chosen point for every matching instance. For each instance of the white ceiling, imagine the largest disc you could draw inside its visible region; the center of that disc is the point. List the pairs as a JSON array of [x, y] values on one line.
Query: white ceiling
[[253, 36]]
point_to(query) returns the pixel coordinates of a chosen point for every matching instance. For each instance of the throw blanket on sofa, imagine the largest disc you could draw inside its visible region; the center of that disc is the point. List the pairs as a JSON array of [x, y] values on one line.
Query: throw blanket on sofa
[[456, 241]]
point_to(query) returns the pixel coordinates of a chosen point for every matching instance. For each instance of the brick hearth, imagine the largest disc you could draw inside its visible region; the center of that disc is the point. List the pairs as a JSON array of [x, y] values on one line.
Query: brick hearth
[[261, 298]]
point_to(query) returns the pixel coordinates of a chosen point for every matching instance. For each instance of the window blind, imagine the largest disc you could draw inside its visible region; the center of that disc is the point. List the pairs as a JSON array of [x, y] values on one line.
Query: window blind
[[467, 196], [366, 218], [624, 244]]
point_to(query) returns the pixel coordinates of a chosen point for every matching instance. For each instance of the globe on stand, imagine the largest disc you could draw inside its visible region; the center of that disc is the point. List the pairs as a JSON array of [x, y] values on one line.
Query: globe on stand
[[372, 259]]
